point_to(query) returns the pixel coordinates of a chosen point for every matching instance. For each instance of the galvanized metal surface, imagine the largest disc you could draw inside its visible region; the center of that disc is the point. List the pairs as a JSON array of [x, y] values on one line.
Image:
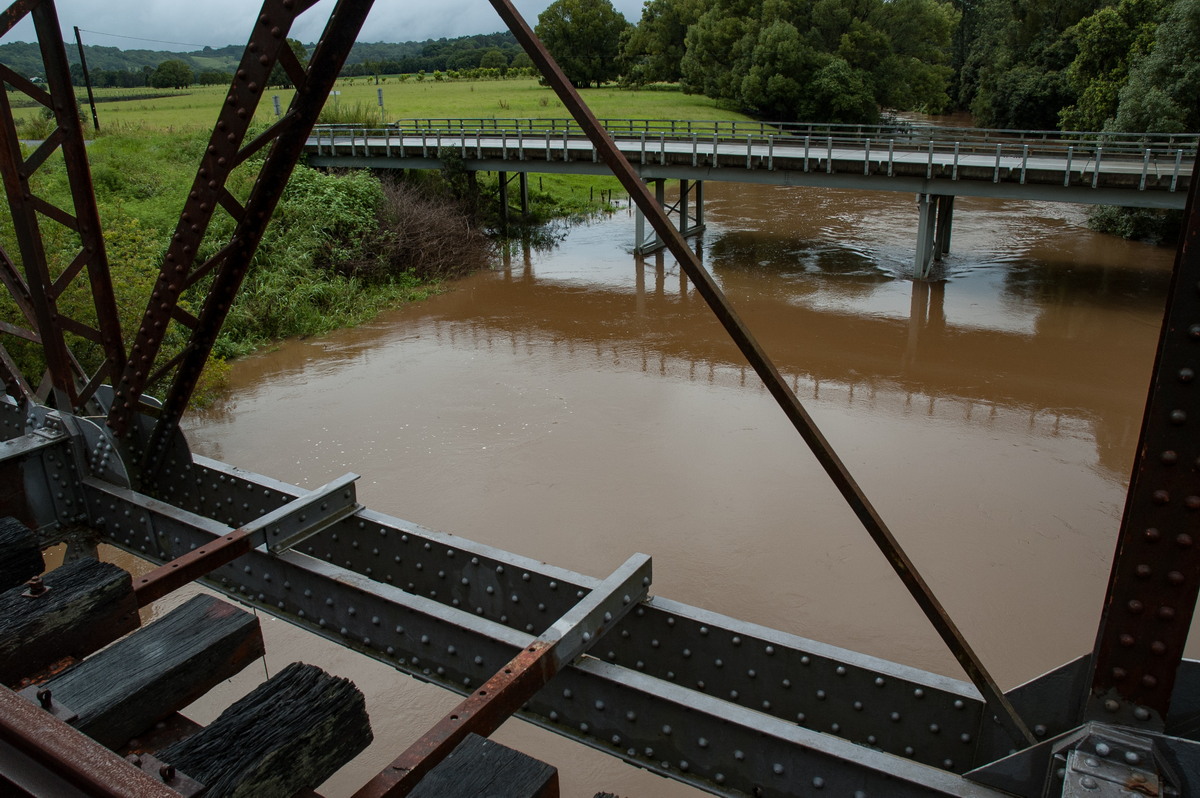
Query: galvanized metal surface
[[1155, 577], [486, 708]]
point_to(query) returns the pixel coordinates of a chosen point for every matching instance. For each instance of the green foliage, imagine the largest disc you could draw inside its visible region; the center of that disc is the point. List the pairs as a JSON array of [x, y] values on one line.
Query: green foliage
[[494, 59], [1023, 96], [652, 51], [584, 36], [1108, 43], [214, 77], [172, 74], [1142, 224], [829, 60], [1164, 84]]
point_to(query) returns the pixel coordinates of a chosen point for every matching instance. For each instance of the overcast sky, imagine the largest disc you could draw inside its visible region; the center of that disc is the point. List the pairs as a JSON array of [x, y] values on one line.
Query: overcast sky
[[221, 22]]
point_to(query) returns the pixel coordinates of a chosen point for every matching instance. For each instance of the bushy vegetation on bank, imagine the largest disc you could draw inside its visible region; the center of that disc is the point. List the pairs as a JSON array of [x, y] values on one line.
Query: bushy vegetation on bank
[[340, 248]]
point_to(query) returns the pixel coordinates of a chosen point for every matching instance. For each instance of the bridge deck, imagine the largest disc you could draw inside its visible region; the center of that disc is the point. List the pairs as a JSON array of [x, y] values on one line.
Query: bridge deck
[[1155, 175]]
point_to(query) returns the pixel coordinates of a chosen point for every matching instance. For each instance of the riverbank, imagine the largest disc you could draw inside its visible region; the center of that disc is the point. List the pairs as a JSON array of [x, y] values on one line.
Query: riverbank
[[341, 247]]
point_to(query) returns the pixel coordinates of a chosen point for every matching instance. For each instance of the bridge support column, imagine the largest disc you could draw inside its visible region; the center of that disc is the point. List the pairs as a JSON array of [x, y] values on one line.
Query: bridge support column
[[503, 176], [523, 191], [935, 217], [689, 212]]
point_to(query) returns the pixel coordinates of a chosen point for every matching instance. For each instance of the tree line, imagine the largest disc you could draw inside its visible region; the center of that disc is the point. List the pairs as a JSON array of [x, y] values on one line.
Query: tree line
[[1131, 65]]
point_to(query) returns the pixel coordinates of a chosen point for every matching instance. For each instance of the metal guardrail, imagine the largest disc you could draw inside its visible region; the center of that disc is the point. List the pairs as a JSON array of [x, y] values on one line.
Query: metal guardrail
[[906, 132], [1152, 161]]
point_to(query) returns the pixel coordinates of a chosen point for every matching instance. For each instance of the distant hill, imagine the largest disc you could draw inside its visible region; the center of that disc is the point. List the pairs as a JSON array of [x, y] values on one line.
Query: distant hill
[[431, 55]]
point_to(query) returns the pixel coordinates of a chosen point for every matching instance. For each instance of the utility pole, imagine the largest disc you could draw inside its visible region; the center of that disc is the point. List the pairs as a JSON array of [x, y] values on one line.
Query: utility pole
[[87, 80]]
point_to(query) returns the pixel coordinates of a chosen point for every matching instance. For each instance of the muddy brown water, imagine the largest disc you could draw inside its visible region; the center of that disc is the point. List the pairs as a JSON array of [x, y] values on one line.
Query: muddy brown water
[[575, 407]]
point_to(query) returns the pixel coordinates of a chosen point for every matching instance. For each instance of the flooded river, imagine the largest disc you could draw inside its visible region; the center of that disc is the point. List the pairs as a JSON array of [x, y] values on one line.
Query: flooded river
[[576, 407]]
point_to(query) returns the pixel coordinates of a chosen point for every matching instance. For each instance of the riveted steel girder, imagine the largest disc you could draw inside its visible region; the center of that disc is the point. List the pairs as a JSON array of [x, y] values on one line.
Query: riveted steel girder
[[226, 150], [1155, 576], [64, 339]]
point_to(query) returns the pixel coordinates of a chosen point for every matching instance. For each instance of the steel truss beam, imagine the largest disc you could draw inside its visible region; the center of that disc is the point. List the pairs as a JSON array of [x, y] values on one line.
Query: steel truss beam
[[1155, 576], [723, 704], [227, 149], [772, 380], [45, 282]]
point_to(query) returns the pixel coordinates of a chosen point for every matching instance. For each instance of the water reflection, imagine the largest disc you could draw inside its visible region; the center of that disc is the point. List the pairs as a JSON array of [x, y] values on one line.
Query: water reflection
[[577, 405]]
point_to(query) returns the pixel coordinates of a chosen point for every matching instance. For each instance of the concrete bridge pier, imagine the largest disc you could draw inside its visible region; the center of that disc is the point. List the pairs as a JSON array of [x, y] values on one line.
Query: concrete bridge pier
[[688, 212], [523, 186], [934, 221]]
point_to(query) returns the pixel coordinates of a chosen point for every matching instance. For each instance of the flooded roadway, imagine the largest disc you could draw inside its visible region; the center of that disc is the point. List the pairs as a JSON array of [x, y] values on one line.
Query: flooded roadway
[[575, 408]]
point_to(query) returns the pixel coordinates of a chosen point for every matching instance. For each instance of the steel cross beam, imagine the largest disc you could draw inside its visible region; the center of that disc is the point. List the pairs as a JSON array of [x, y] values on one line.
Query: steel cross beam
[[226, 150], [769, 374], [44, 284], [1155, 576], [485, 709]]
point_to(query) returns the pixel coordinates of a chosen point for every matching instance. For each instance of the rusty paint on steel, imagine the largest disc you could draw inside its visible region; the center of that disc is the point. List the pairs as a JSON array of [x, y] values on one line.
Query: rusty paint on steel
[[1155, 575], [173, 575], [38, 296], [70, 755], [220, 158], [767, 372], [482, 712], [224, 152], [15, 13]]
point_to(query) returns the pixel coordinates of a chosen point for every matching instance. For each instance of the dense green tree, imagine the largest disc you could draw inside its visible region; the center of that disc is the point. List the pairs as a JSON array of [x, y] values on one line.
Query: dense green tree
[[584, 36], [171, 74], [1108, 43], [214, 77], [828, 60], [651, 52], [494, 59], [1163, 87], [1014, 73]]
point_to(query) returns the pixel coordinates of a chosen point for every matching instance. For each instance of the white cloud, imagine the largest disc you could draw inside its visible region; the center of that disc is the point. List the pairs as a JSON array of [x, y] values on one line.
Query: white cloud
[[220, 22]]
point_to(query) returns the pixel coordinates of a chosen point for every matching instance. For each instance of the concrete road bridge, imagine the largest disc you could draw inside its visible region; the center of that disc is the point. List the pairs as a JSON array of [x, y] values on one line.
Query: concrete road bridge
[[935, 163]]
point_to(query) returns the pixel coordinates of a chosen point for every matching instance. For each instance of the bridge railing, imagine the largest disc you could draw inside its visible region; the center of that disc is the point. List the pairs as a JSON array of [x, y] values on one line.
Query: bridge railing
[[910, 133], [1160, 162]]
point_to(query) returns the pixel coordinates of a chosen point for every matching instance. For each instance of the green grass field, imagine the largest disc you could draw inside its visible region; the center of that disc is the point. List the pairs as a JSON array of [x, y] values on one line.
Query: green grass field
[[518, 98], [144, 160]]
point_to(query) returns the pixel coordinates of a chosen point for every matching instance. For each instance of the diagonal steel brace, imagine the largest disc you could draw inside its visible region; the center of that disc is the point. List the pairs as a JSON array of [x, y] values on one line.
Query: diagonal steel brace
[[769, 374]]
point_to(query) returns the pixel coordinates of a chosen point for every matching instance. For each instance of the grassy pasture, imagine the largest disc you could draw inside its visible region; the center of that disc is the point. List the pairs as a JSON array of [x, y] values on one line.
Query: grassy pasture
[[523, 98]]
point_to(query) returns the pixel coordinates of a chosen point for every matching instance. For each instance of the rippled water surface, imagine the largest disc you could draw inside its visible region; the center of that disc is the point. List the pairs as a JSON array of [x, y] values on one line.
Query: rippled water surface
[[576, 407]]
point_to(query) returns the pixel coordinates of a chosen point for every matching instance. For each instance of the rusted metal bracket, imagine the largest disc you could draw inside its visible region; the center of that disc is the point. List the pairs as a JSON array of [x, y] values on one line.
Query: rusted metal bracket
[[499, 697], [39, 752], [769, 374], [167, 773], [42, 697]]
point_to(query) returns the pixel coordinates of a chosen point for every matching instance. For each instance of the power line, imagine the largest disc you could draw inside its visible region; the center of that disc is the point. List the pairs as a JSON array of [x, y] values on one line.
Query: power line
[[140, 39]]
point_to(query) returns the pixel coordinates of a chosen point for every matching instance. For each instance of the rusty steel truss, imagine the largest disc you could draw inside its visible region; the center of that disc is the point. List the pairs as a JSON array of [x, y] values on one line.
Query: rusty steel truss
[[728, 706]]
